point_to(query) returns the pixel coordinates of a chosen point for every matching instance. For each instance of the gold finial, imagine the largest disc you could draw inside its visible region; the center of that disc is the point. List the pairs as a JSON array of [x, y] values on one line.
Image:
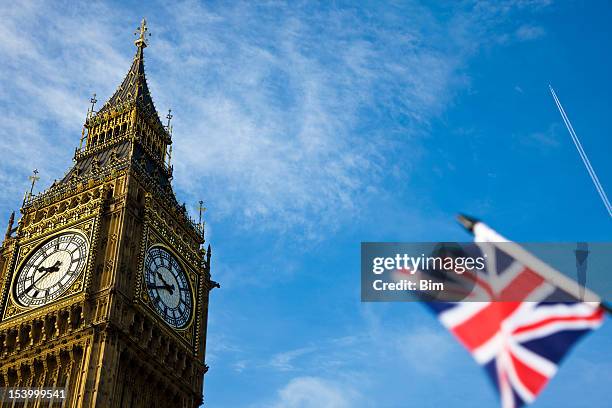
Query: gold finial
[[9, 229], [169, 116], [141, 32], [201, 209], [33, 178], [93, 101]]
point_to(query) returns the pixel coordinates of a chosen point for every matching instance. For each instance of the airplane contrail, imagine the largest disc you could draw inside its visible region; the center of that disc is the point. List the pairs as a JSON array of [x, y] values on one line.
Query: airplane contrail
[[583, 155]]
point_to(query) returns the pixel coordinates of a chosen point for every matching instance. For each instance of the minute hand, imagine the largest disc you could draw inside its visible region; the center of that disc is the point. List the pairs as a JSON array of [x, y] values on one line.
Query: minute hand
[[168, 287]]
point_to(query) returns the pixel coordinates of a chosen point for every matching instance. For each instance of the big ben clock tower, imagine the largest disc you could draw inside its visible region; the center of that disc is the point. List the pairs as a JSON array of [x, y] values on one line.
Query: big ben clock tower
[[104, 281]]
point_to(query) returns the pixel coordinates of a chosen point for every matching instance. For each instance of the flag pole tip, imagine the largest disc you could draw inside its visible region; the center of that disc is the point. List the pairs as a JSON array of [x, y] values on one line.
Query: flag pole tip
[[467, 222]]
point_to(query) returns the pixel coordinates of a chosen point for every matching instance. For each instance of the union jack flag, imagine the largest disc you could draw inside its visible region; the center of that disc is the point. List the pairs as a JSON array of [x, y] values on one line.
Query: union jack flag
[[520, 343]]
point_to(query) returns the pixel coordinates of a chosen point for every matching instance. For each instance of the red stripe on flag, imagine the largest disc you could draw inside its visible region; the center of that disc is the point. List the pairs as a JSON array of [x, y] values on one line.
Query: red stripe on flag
[[596, 316], [485, 324], [521, 286], [473, 277], [533, 380]]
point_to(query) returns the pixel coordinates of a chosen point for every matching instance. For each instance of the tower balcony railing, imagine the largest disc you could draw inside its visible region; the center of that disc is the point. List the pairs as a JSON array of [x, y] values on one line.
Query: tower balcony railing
[[59, 190]]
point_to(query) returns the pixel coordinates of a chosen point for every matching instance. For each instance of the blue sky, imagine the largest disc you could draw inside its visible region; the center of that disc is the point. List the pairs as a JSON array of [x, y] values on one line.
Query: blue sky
[[310, 127]]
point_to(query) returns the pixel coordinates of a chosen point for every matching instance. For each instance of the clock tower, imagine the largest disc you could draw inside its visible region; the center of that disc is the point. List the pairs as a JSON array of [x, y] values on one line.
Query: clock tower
[[104, 281]]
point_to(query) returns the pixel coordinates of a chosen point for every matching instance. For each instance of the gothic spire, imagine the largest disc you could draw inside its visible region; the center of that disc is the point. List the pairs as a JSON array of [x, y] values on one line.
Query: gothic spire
[[127, 123], [134, 88]]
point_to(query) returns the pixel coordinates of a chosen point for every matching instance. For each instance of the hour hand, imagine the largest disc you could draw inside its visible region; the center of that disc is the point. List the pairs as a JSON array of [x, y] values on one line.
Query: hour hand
[[55, 267], [161, 277], [169, 288], [52, 268]]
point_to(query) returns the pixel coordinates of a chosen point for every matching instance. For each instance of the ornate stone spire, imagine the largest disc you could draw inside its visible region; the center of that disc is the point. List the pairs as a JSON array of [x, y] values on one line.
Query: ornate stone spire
[[127, 128], [134, 88]]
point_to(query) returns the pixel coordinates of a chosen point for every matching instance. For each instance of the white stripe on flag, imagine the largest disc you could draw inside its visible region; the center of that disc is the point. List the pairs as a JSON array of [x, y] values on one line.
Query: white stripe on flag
[[459, 314], [483, 233]]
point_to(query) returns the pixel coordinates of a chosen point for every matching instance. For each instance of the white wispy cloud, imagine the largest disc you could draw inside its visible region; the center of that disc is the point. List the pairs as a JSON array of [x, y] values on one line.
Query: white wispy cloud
[[545, 140], [385, 339], [284, 361], [549, 137], [529, 32], [277, 124], [285, 114], [315, 392], [51, 59], [435, 344]]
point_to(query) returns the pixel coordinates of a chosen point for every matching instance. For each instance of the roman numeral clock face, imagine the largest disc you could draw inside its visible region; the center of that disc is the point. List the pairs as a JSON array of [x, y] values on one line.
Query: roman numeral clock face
[[51, 270], [168, 288]]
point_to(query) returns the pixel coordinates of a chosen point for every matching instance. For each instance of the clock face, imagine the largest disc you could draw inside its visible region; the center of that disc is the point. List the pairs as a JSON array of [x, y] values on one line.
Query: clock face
[[47, 273], [168, 288]]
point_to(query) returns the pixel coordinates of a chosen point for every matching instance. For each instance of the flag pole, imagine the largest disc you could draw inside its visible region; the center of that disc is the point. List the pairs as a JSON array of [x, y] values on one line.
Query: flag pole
[[605, 306], [476, 228]]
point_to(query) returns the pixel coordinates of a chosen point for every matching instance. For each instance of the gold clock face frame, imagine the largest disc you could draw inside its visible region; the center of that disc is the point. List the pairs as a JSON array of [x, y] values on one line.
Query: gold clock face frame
[[50, 269], [168, 287]]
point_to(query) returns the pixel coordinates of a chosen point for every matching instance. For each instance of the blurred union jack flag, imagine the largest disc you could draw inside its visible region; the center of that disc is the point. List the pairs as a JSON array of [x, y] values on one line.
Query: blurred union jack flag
[[521, 334]]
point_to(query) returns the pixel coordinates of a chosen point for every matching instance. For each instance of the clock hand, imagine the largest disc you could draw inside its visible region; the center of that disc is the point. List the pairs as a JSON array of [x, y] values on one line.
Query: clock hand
[[160, 276], [167, 286], [44, 271], [52, 268]]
